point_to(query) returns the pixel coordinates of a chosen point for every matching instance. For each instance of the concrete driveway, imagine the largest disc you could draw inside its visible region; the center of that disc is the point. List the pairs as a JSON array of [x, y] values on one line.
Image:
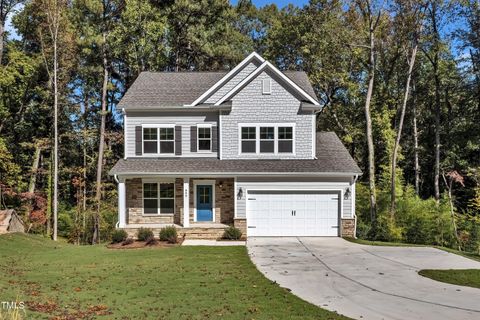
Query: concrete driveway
[[366, 282]]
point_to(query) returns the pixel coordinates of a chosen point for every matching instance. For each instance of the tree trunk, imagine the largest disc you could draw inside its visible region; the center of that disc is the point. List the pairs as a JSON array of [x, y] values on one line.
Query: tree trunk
[[2, 33], [415, 144], [36, 161], [101, 145], [437, 133], [55, 152], [411, 63], [371, 150], [452, 212]]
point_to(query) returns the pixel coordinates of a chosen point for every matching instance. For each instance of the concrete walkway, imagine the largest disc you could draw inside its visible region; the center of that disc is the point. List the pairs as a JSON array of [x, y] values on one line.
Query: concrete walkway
[[367, 282], [199, 242]]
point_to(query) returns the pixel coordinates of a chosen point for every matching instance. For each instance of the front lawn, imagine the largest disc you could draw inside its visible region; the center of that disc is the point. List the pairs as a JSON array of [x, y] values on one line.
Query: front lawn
[[469, 277], [72, 282]]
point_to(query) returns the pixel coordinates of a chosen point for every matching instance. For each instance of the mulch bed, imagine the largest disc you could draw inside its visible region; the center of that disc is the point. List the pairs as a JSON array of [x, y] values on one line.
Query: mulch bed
[[143, 244]]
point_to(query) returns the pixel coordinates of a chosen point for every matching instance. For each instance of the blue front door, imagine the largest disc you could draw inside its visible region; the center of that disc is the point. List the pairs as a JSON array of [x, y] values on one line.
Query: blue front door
[[204, 203]]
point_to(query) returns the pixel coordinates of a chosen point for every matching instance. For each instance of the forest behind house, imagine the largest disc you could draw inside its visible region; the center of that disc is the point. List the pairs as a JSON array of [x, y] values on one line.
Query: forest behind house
[[399, 81]]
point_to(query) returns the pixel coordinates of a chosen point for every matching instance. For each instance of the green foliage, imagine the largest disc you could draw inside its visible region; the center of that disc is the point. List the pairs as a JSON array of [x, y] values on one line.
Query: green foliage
[[65, 224], [168, 234], [119, 235], [143, 234], [232, 233]]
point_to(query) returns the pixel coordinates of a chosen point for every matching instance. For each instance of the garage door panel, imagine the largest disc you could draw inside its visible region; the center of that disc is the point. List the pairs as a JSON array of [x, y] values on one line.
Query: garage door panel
[[315, 213]]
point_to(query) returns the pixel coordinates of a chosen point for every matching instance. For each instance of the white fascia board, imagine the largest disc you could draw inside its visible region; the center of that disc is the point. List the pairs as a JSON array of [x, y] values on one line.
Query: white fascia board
[[255, 73], [226, 77], [239, 174]]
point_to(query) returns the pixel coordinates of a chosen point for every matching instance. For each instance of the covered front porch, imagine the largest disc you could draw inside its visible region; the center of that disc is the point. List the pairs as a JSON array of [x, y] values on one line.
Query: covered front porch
[[200, 207]]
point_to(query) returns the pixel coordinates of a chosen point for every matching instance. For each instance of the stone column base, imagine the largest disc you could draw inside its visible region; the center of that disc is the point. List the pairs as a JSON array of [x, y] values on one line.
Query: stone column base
[[241, 224], [348, 228]]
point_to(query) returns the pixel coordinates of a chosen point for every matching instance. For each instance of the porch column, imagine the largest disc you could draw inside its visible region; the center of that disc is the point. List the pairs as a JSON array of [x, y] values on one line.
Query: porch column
[[121, 203], [186, 202]]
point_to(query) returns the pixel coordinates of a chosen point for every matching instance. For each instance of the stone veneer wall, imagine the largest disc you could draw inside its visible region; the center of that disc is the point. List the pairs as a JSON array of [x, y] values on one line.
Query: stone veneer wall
[[224, 201], [241, 223], [135, 215], [348, 228]]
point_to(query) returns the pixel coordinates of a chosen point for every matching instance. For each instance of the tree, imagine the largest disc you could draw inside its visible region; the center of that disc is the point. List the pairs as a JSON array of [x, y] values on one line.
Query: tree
[[6, 7], [409, 14], [371, 20]]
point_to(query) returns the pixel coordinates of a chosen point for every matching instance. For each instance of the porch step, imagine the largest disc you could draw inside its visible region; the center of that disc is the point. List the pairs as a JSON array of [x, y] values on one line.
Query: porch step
[[201, 233]]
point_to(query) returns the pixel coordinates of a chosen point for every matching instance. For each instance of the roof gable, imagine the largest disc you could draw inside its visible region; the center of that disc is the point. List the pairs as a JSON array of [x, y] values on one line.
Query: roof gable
[[275, 73], [253, 57]]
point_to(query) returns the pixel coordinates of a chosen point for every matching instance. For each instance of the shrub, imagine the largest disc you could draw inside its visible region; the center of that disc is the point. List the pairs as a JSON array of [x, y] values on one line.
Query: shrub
[[151, 241], [127, 242], [232, 233], [143, 234], [119, 235], [169, 234]]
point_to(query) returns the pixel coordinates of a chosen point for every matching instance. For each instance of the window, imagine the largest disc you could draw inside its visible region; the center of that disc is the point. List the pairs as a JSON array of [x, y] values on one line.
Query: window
[[150, 138], [167, 197], [267, 139], [266, 86], [285, 139], [204, 139], [167, 140], [249, 140], [150, 198], [158, 198], [158, 140]]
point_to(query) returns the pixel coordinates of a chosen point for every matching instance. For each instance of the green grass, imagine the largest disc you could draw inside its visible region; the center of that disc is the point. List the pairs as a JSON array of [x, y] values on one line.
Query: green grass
[[66, 281], [469, 277]]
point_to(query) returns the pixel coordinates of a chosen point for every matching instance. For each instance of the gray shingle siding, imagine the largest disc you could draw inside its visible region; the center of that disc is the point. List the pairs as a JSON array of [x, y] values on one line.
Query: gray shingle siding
[[251, 106], [232, 83], [185, 120]]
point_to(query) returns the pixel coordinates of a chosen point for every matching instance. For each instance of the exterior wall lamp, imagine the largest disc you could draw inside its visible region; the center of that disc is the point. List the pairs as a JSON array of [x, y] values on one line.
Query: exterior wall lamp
[[347, 194], [240, 194]]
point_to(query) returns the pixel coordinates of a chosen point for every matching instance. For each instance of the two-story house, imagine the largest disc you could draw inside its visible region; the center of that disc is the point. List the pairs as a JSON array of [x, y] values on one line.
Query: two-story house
[[208, 149]]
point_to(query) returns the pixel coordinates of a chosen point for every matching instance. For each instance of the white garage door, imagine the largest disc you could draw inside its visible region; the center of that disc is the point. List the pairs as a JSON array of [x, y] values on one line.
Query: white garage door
[[292, 213]]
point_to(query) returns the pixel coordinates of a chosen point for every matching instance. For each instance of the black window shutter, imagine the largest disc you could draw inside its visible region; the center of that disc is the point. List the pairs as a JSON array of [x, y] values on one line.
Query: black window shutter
[[138, 140], [193, 138], [214, 139], [178, 140]]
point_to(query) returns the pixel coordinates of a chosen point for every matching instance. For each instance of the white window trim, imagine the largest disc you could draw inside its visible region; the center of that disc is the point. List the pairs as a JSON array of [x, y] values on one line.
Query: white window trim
[[205, 125], [269, 82], [203, 182], [158, 182], [158, 126], [257, 137]]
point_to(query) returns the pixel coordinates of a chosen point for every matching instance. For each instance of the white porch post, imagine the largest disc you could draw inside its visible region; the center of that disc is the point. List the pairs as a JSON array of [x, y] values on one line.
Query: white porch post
[[186, 202], [121, 203]]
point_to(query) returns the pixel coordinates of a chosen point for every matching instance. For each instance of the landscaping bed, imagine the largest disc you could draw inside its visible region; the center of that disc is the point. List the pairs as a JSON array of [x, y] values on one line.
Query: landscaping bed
[[143, 244]]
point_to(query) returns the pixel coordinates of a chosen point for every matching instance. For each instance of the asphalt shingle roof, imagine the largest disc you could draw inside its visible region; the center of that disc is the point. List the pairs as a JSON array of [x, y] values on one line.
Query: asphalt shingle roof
[[170, 89], [332, 157]]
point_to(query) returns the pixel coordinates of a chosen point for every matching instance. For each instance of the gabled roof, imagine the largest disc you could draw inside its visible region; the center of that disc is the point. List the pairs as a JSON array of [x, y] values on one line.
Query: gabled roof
[[332, 159], [227, 77], [161, 90], [167, 89], [268, 67]]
